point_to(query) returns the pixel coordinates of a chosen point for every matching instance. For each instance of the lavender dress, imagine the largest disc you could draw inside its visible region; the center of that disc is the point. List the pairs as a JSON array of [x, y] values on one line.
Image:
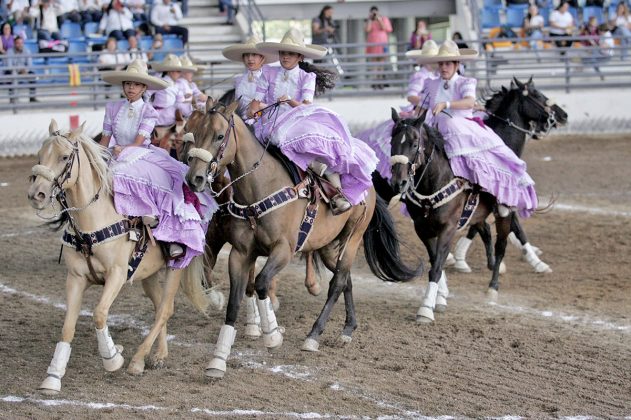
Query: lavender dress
[[475, 152], [166, 102], [146, 181], [310, 132], [189, 91], [379, 138], [245, 86]]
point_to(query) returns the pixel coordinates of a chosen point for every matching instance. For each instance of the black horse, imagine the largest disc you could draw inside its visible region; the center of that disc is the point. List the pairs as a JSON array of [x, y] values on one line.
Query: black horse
[[515, 114], [435, 199]]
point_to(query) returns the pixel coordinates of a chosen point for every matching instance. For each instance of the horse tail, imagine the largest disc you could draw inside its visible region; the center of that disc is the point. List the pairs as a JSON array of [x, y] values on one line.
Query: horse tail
[[193, 284], [381, 246]]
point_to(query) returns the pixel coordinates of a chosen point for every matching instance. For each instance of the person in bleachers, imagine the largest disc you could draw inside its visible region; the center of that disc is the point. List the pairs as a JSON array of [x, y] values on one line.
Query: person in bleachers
[[457, 38], [377, 28], [6, 38], [67, 10], [137, 8], [597, 3], [621, 22], [91, 10], [20, 11], [230, 9], [48, 27], [533, 27], [562, 24], [117, 22], [419, 35], [110, 58], [165, 17], [156, 45], [508, 2], [134, 52], [19, 63]]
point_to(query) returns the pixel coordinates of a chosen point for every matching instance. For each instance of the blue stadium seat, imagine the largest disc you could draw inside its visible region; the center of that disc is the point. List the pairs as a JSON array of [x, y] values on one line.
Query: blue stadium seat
[[78, 47], [71, 30], [59, 72], [31, 46], [545, 12], [159, 55], [490, 17], [145, 43], [170, 44], [122, 45], [91, 28], [492, 3], [574, 12], [589, 11], [18, 29], [515, 16]]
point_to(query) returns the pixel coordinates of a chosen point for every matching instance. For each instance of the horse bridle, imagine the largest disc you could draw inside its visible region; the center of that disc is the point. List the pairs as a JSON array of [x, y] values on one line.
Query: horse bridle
[[416, 161]]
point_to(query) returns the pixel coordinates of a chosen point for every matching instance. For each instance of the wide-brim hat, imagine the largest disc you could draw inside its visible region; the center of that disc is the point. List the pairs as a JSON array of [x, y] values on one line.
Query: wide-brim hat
[[293, 41], [187, 64], [235, 52], [170, 63], [137, 72], [430, 49], [448, 51]]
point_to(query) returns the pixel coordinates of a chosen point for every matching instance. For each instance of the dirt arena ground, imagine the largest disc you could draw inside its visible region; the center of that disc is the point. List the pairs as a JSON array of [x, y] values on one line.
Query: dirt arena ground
[[555, 345]]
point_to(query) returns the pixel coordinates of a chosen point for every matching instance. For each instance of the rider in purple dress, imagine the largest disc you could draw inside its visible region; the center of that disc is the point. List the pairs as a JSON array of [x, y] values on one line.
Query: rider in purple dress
[[146, 181], [309, 135], [475, 152]]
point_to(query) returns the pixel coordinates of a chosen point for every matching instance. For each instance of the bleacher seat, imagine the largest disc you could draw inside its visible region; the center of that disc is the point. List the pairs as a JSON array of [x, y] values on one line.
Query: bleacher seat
[[58, 72], [515, 16], [492, 3], [122, 45], [490, 17], [91, 28], [170, 44], [18, 29], [590, 11], [31, 46], [574, 12], [545, 12], [78, 47], [145, 43], [70, 30]]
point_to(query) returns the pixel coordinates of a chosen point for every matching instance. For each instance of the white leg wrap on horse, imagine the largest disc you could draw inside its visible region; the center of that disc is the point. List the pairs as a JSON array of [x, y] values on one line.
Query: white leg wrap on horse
[[57, 368], [514, 240], [272, 337], [222, 349], [426, 311], [253, 319], [110, 353], [460, 254], [532, 259], [443, 293], [450, 260]]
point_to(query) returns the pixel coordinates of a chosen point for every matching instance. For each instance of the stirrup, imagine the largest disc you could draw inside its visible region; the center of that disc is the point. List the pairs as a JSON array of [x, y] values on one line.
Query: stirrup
[[175, 250], [340, 204], [150, 221]]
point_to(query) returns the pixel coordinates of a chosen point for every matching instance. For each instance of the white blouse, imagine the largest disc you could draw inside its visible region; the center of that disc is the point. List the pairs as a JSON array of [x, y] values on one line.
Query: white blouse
[[287, 83], [127, 123], [245, 89]]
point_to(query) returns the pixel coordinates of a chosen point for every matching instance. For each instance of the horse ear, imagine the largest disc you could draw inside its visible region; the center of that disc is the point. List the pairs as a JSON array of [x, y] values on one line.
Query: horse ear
[[231, 108], [395, 115], [420, 119], [519, 84], [77, 132], [210, 102], [53, 127]]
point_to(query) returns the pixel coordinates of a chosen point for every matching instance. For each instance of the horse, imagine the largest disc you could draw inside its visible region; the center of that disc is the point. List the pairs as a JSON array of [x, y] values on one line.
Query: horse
[[260, 181], [515, 114], [435, 200], [72, 170]]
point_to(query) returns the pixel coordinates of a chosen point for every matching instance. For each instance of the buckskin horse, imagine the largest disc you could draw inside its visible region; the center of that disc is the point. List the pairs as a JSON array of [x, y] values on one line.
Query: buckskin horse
[[273, 217], [72, 170]]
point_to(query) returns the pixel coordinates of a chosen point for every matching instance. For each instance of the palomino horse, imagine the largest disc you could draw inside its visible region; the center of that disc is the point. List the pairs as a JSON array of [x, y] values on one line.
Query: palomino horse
[[515, 115], [261, 182], [435, 200], [72, 170]]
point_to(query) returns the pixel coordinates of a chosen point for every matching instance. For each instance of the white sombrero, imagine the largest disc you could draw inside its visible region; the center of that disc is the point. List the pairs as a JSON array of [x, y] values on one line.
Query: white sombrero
[[170, 63], [187, 64], [293, 41], [430, 49], [448, 51], [136, 72], [235, 52]]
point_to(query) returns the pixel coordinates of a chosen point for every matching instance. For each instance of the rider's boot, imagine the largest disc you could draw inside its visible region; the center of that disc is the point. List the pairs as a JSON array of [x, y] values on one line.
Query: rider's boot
[[318, 167], [339, 203]]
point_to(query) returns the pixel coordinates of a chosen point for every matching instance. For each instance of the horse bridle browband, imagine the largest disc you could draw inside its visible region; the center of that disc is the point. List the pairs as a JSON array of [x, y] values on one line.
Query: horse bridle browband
[[550, 123]]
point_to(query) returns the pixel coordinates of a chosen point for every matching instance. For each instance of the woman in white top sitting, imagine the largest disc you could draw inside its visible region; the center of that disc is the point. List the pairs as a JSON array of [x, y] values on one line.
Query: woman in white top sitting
[[533, 26], [562, 24], [117, 22], [622, 22]]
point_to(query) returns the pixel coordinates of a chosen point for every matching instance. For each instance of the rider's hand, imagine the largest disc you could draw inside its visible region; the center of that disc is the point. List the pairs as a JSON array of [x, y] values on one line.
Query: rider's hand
[[439, 107]]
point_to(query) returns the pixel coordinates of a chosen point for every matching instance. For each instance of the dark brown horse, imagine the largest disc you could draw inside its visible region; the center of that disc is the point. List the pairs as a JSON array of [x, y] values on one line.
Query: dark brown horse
[[223, 141]]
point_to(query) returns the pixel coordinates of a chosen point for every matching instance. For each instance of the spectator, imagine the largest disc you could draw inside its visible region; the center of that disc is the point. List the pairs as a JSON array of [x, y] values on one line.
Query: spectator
[[117, 22], [20, 11], [457, 38], [533, 27], [48, 27], [562, 24], [67, 10], [110, 58], [137, 8], [90, 10], [590, 32], [19, 63], [6, 37], [323, 27], [228, 6], [601, 44], [134, 52], [597, 3], [377, 28], [165, 16], [544, 4], [621, 22], [419, 36], [517, 2], [155, 46]]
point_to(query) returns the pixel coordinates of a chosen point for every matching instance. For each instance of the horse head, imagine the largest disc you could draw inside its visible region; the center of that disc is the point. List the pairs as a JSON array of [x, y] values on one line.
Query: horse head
[[56, 169], [213, 149], [408, 144], [536, 108]]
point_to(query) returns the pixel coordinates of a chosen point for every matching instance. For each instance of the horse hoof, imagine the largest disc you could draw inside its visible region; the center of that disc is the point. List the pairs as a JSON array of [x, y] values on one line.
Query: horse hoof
[[275, 303], [491, 295], [543, 268], [214, 373], [252, 331], [216, 368], [136, 368], [273, 341], [440, 308], [461, 266], [310, 345], [502, 268], [345, 339], [50, 386], [115, 363], [425, 315], [158, 363], [315, 290]]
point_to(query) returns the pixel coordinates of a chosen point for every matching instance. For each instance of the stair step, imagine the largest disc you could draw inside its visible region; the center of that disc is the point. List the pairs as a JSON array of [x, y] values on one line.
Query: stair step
[[217, 30], [197, 18], [224, 39]]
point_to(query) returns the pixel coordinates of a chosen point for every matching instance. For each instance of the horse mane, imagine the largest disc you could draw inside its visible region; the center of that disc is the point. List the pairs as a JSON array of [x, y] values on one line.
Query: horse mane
[[435, 137], [228, 97], [494, 102]]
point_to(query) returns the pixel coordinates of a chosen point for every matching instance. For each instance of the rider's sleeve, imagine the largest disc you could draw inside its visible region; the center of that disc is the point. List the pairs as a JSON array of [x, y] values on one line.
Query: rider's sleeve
[[148, 121], [307, 90], [467, 88], [107, 121], [262, 85]]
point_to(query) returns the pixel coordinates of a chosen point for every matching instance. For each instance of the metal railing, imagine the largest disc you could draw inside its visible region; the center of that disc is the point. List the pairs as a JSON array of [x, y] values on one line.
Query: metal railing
[[255, 17], [552, 68]]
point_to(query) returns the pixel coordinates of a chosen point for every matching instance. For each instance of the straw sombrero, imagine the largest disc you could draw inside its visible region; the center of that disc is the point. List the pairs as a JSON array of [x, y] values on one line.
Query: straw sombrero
[[136, 72], [430, 49], [187, 64], [170, 63], [293, 41], [235, 52], [448, 51]]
